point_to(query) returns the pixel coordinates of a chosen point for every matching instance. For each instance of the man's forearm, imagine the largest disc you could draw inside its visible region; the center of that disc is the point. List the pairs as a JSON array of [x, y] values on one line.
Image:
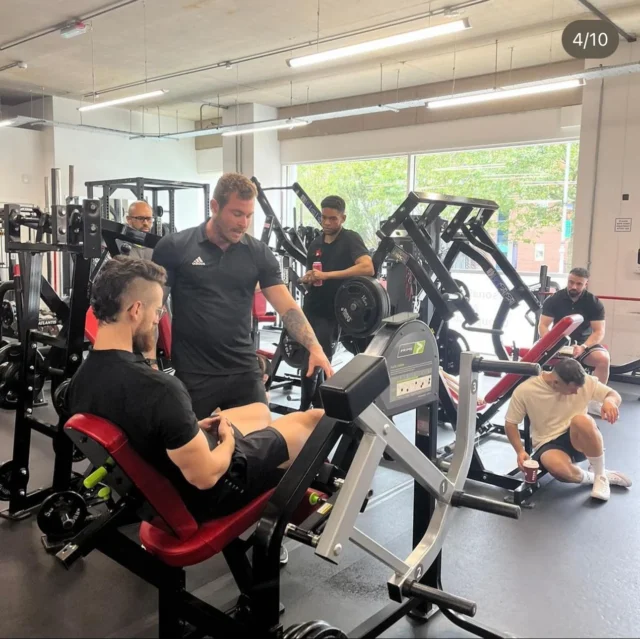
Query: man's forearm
[[299, 328], [222, 455], [614, 397], [352, 271], [594, 338], [513, 435]]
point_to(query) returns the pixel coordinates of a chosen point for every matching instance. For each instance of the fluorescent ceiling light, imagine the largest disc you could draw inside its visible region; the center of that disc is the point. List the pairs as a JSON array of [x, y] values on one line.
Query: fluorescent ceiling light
[[267, 126], [503, 94], [381, 43], [131, 98], [10, 122]]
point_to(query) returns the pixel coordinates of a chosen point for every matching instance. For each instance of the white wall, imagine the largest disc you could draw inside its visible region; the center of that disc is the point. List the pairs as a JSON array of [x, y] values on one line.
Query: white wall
[[23, 166], [608, 170], [101, 156], [546, 125]]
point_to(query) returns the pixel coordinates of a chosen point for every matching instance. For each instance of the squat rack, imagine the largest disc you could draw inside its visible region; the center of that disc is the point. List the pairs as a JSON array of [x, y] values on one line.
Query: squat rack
[[138, 186]]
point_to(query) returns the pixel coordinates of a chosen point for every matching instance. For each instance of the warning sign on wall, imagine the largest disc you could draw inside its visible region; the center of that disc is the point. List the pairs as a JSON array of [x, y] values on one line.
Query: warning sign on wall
[[623, 225]]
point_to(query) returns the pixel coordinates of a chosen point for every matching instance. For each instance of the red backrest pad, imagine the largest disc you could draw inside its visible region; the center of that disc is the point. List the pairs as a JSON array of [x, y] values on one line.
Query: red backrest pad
[[155, 488], [164, 331], [164, 335], [259, 304], [564, 327]]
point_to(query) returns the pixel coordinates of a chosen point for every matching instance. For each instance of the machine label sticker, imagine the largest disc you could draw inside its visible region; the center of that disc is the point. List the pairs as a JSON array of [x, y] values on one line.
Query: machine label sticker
[[414, 385], [496, 280], [413, 348]]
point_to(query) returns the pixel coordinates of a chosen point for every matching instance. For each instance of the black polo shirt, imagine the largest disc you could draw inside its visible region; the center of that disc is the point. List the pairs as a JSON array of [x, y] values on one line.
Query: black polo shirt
[[212, 295], [152, 408], [339, 255], [560, 305]]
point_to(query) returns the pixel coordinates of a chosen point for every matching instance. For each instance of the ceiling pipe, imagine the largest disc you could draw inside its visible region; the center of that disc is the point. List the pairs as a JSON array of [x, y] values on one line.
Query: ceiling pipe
[[627, 36], [444, 11], [57, 27]]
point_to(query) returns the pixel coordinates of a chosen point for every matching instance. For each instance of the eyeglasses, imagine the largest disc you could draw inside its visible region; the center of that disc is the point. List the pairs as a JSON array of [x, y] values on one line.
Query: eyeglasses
[[160, 312], [139, 218]]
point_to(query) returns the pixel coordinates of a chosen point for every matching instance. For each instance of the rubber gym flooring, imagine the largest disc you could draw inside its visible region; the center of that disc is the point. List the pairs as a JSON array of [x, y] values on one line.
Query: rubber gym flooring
[[568, 568]]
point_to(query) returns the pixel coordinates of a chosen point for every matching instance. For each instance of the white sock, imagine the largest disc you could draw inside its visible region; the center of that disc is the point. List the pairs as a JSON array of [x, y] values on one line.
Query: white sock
[[587, 477], [597, 463]]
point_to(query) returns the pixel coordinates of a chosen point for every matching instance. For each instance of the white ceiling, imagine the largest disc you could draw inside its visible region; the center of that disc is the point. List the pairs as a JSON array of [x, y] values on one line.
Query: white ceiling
[[183, 34]]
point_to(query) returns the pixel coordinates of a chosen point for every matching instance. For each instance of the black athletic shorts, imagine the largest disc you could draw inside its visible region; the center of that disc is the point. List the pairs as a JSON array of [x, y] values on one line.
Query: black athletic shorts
[[253, 471], [563, 443], [209, 392]]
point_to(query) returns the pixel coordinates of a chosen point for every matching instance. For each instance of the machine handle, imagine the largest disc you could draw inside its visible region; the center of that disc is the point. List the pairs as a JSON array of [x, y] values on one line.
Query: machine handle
[[465, 500], [439, 598], [488, 331], [528, 316], [526, 369]]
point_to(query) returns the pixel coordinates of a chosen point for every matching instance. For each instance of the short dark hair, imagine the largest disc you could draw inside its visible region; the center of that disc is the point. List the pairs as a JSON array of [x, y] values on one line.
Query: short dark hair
[[578, 271], [333, 202], [113, 281], [570, 371], [231, 183]]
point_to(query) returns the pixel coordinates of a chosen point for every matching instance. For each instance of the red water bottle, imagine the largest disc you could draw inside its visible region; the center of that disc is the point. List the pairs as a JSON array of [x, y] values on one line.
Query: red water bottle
[[317, 266]]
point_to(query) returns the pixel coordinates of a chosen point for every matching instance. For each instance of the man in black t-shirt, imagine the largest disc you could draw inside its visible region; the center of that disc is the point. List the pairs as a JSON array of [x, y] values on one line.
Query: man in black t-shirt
[[213, 270], [216, 467], [342, 254], [576, 299]]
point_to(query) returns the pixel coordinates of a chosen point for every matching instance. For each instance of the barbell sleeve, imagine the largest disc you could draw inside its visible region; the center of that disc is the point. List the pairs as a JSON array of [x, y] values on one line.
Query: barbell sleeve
[[439, 598], [526, 369], [465, 500]]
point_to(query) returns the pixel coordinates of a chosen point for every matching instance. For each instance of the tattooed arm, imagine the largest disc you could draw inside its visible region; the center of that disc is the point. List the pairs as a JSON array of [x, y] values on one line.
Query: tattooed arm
[[298, 326]]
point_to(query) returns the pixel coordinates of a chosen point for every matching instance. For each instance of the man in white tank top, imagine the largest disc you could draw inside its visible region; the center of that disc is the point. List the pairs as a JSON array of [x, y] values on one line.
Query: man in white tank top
[[562, 432]]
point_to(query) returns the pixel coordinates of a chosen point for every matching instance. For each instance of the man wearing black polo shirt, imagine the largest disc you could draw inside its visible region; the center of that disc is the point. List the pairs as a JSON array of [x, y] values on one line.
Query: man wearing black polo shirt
[[217, 467], [342, 254], [576, 299], [213, 270]]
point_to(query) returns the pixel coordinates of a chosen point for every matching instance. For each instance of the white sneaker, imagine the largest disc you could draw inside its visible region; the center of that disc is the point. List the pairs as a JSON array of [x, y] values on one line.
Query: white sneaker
[[595, 408], [617, 478], [601, 488]]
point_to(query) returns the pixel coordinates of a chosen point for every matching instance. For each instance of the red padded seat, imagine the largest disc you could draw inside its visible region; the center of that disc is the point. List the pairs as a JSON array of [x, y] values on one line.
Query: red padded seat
[[175, 537], [564, 327]]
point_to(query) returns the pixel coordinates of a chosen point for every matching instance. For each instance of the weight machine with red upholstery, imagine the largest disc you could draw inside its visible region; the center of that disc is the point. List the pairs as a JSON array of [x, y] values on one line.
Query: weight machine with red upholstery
[[542, 352], [79, 231]]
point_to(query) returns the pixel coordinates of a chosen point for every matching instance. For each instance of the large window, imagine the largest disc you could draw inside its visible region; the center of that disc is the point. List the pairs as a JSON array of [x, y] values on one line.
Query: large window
[[534, 185], [372, 189]]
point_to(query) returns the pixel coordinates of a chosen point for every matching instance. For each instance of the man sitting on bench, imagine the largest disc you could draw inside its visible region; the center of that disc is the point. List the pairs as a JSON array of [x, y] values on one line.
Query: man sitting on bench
[[588, 349], [561, 431], [218, 465]]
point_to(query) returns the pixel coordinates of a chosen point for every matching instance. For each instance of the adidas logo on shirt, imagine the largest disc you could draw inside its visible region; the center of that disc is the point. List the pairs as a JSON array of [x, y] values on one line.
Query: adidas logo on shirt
[[198, 262]]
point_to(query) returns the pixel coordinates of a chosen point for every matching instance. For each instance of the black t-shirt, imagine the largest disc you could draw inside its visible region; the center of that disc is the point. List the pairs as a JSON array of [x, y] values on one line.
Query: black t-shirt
[[211, 296], [560, 305], [152, 408], [339, 255]]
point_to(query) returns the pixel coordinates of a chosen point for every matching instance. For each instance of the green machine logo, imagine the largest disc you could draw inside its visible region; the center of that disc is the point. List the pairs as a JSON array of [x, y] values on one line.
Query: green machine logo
[[413, 348]]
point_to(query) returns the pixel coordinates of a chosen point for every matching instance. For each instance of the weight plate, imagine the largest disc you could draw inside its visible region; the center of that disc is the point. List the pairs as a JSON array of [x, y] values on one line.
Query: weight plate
[[293, 353], [314, 630], [455, 345], [361, 303], [61, 514], [5, 480]]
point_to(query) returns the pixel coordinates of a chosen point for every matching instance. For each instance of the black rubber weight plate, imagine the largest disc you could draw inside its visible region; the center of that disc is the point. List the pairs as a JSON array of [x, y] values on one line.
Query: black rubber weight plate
[[361, 304]]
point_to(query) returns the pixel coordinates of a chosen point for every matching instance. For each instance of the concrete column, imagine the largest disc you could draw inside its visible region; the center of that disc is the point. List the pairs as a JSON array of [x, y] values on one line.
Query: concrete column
[[256, 154], [607, 222]]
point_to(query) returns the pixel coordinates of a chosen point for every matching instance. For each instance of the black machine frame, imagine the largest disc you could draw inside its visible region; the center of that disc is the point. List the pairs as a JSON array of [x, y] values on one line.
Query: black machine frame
[[138, 186], [78, 230]]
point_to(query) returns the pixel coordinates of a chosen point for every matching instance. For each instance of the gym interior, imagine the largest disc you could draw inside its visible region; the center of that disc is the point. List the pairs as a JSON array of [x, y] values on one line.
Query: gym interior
[[479, 162]]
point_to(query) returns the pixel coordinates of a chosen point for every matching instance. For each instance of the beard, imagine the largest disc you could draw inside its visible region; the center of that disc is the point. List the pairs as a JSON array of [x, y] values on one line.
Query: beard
[[144, 341], [574, 295]]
